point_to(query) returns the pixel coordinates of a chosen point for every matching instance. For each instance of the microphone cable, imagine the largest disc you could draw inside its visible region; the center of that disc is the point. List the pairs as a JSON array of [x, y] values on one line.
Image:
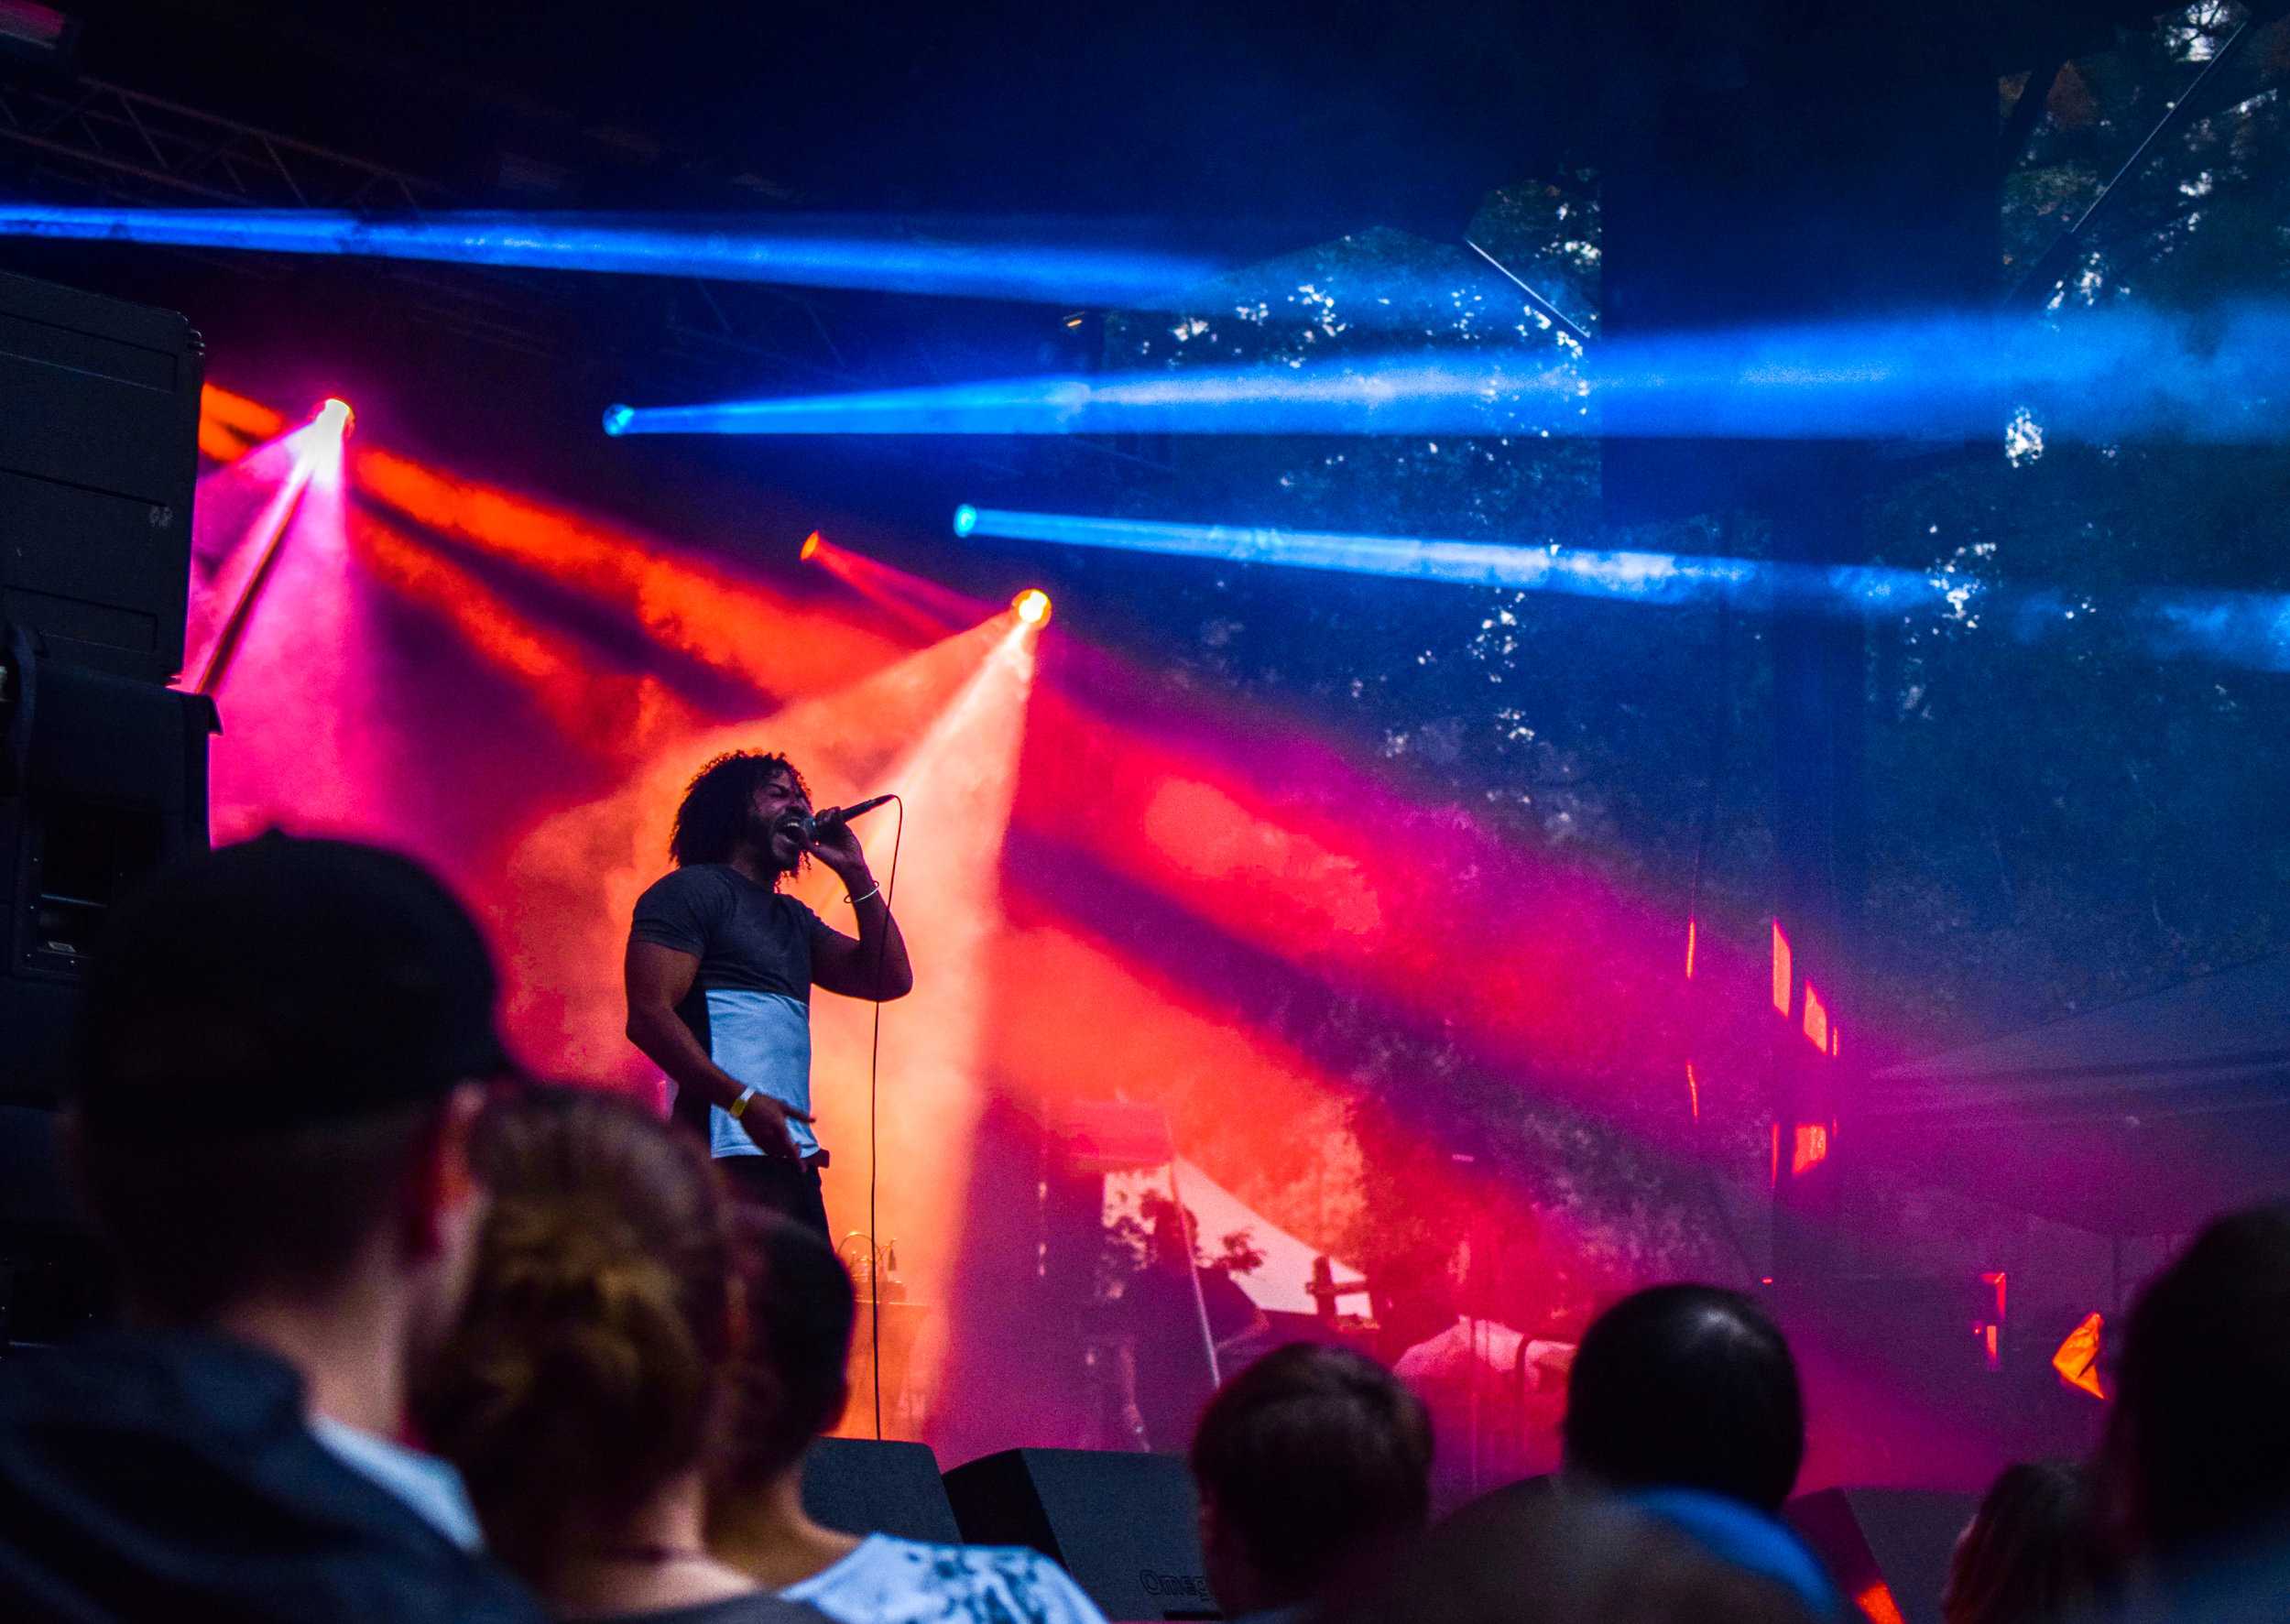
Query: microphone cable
[[874, 1074]]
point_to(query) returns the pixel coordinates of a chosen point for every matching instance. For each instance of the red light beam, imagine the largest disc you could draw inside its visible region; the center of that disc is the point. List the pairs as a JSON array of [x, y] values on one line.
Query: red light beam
[[729, 623], [924, 606]]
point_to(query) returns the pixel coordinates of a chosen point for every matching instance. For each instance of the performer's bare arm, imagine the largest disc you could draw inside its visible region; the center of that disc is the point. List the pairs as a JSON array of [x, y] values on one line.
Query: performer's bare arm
[[659, 978], [874, 964]]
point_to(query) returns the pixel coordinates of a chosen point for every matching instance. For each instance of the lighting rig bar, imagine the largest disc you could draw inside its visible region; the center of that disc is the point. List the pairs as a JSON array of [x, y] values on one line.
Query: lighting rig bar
[[91, 135], [108, 127]]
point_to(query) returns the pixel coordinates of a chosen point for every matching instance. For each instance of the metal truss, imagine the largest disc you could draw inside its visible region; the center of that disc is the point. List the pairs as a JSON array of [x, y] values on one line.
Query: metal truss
[[122, 135], [90, 136]]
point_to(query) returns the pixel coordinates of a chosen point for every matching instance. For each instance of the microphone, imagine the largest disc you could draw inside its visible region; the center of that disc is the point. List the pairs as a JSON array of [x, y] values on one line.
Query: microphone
[[814, 824]]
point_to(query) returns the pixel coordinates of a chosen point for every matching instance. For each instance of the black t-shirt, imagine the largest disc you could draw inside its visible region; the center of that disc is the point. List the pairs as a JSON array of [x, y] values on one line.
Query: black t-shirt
[[747, 936], [743, 934]]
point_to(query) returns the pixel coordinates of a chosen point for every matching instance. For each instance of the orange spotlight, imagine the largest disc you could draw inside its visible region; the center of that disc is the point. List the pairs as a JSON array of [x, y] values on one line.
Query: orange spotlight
[[335, 414], [1032, 606], [810, 547]]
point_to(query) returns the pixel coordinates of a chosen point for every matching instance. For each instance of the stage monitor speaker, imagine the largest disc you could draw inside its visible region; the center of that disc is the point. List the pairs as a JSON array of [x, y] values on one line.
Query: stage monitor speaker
[[55, 1279], [1881, 1542], [101, 778], [861, 1486], [99, 456], [1126, 1526]]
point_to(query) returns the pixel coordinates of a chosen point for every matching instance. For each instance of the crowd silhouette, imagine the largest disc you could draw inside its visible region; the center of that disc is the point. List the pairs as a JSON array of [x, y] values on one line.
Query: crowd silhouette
[[406, 1335]]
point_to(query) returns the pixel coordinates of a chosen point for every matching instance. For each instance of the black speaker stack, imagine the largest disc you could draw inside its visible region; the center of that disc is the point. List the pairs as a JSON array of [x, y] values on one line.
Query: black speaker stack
[[866, 1486], [1126, 1526], [102, 765]]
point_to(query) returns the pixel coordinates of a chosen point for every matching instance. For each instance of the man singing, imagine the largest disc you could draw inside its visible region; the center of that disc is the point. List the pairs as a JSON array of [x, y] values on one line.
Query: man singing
[[721, 964]]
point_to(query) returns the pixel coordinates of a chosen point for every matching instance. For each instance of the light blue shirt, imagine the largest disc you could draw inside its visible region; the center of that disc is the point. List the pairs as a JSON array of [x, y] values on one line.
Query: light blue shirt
[[764, 1039], [430, 1486]]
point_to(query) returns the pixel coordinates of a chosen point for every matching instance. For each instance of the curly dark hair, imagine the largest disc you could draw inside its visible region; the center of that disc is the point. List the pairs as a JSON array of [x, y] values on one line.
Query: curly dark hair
[[713, 814]]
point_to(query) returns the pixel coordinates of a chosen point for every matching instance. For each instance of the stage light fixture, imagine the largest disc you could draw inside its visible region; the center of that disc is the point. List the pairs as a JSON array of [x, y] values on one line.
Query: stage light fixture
[[38, 32], [1032, 606], [810, 547], [965, 519], [335, 414], [618, 417]]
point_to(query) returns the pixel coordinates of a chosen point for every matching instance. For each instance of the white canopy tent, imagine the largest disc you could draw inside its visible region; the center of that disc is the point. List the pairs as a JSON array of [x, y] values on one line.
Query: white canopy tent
[[1278, 1285]]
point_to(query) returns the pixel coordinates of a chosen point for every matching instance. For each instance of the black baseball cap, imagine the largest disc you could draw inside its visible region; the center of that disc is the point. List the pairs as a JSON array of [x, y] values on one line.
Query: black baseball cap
[[280, 983]]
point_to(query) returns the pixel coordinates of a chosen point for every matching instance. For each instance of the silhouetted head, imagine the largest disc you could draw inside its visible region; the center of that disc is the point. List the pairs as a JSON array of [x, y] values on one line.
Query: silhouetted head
[[1313, 1463], [1686, 1387], [2198, 1446], [791, 1378], [2031, 1552], [280, 1058]]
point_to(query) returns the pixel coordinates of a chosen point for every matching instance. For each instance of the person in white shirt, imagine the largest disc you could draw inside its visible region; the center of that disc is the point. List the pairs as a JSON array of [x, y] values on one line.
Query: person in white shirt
[[801, 1309]]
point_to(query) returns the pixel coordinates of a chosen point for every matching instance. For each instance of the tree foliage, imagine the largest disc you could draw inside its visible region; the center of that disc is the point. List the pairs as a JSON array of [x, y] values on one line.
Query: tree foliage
[[2053, 821]]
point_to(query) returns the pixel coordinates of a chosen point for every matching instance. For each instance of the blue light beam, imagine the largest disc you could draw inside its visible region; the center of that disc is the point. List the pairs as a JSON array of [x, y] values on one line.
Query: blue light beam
[[808, 251], [1273, 400], [2099, 375], [2249, 629], [1644, 577]]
